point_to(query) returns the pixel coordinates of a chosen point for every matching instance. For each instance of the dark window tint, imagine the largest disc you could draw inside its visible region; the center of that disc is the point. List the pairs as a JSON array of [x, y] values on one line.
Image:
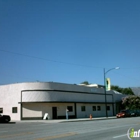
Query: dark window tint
[[14, 109], [108, 107], [94, 108], [98, 108], [70, 108], [83, 108], [1, 110]]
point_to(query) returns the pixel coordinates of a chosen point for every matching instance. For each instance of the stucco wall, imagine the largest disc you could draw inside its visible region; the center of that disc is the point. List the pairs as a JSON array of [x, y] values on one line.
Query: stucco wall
[[9, 97], [13, 94], [34, 110], [40, 96], [89, 110]]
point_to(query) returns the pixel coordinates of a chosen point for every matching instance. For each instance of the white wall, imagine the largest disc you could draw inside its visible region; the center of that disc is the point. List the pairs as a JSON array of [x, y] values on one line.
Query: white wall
[[10, 96], [31, 110], [97, 113], [43, 96]]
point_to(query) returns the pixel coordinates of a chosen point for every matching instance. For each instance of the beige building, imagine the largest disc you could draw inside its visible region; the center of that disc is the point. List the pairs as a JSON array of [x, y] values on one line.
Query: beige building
[[32, 100]]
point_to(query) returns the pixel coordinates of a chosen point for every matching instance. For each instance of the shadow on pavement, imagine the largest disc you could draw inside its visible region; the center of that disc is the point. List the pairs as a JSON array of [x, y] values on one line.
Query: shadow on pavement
[[7, 122]]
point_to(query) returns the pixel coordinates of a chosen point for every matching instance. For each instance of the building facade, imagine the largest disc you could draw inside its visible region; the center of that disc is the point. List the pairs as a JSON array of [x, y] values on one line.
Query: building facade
[[32, 100]]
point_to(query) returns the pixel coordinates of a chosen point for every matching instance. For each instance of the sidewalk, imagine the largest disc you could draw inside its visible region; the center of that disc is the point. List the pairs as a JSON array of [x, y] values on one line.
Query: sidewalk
[[64, 120]]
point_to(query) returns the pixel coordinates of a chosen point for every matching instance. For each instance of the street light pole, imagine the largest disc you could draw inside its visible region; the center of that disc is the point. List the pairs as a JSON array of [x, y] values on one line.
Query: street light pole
[[105, 72], [105, 93]]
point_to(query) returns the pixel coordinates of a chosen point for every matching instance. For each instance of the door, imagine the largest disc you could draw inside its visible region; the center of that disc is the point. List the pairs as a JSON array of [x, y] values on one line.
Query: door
[[54, 112]]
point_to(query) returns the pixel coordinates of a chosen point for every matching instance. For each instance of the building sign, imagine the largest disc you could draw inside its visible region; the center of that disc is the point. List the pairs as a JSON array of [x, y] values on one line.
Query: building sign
[[108, 84]]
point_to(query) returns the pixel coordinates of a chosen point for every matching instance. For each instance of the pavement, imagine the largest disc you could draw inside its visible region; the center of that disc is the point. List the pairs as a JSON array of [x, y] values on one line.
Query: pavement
[[63, 120]]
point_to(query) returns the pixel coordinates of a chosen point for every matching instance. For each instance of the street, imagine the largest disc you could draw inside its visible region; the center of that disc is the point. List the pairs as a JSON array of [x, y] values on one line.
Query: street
[[110, 129]]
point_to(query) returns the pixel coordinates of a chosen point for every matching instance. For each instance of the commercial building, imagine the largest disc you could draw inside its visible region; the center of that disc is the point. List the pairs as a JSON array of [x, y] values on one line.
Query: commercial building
[[32, 100]]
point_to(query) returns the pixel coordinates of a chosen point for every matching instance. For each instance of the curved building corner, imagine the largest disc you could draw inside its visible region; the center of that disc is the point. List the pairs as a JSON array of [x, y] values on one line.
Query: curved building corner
[[33, 100]]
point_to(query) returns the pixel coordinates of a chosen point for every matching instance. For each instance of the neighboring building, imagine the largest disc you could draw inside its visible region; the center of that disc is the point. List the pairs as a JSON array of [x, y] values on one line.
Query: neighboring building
[[136, 90], [32, 100], [92, 85]]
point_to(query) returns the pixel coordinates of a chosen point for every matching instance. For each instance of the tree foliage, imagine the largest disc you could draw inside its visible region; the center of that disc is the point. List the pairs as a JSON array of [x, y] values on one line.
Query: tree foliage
[[85, 82], [126, 91], [131, 102]]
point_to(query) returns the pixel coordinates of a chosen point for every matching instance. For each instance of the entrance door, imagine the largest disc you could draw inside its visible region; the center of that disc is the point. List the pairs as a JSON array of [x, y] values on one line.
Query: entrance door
[[54, 112]]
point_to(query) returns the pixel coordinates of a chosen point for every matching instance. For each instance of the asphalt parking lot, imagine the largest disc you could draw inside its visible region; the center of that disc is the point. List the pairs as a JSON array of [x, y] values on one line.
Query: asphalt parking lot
[[100, 130]]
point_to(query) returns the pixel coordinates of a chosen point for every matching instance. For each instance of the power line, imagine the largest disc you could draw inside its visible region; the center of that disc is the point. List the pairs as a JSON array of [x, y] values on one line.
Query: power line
[[55, 61], [67, 63], [130, 68], [126, 76], [62, 62]]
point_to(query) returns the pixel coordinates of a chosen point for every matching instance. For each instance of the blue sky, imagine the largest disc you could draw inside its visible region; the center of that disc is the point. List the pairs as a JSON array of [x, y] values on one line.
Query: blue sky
[[70, 41]]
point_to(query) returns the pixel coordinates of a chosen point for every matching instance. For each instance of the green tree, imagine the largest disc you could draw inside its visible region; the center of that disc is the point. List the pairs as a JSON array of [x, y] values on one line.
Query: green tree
[[85, 82], [117, 88], [126, 91], [131, 102]]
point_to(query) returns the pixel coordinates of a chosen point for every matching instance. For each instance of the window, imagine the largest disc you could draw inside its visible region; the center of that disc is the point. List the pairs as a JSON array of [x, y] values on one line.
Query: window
[[83, 108], [14, 109], [98, 108], [1, 110], [94, 108], [70, 108], [108, 107]]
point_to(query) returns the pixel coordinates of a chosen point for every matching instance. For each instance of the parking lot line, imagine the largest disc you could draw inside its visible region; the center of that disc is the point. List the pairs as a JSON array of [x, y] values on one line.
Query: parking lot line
[[119, 136]]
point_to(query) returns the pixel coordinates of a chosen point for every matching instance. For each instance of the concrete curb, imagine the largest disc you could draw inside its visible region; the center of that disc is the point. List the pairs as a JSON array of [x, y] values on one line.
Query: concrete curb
[[62, 121], [93, 119]]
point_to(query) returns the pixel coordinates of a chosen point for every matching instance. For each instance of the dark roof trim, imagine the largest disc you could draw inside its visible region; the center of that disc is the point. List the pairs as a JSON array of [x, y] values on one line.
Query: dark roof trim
[[69, 92], [68, 102]]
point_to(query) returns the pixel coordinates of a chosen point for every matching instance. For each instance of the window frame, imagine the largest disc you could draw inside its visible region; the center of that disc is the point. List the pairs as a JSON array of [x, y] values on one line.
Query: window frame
[[94, 108], [14, 110], [98, 108], [70, 108], [1, 109], [83, 108], [108, 108]]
